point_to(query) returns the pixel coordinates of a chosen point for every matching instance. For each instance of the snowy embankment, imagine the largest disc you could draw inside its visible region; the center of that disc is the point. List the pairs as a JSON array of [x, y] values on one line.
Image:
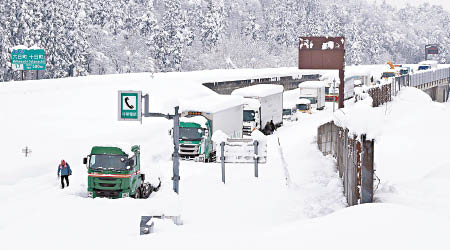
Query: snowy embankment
[[411, 150], [65, 118]]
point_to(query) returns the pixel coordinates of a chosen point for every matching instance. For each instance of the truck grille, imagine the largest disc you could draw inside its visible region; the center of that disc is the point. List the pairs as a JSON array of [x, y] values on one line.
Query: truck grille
[[246, 130], [107, 184], [108, 193], [189, 150]]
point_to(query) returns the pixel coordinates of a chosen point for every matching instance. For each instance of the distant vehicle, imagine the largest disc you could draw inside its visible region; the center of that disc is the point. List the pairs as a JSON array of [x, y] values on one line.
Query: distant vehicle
[[114, 174], [404, 70], [290, 98], [199, 121], [387, 75], [304, 106], [314, 91], [289, 114], [425, 65], [262, 103]]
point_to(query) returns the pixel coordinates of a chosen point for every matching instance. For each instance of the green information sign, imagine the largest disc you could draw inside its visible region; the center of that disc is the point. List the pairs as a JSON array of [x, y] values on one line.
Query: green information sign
[[130, 105], [28, 59]]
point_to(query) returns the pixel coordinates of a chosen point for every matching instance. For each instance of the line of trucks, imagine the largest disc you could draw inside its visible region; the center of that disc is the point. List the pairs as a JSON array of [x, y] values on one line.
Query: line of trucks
[[239, 114], [112, 173]]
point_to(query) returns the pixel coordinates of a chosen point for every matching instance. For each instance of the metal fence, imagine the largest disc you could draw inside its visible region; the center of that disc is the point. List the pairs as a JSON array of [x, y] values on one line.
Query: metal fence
[[355, 157], [382, 94], [427, 79]]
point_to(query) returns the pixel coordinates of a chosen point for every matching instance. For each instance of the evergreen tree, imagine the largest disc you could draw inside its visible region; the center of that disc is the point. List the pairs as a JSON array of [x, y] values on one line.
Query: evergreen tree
[[213, 24], [171, 38]]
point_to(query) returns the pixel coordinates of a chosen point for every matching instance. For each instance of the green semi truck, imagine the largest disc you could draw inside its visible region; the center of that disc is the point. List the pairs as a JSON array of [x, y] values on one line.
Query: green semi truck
[[112, 173], [202, 118]]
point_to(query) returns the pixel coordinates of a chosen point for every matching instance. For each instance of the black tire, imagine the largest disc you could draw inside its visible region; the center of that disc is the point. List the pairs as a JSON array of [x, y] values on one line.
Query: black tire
[[137, 195]]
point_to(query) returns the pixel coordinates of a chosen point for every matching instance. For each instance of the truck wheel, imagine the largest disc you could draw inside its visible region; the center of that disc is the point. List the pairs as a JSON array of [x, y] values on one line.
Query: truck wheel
[[137, 195]]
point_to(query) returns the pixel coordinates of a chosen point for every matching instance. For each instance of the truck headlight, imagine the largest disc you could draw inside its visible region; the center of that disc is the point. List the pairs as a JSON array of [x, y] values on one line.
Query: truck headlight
[[125, 195], [90, 194]]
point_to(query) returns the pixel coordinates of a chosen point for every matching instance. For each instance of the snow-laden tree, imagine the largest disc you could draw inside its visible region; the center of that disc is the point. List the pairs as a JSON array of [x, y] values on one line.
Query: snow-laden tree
[[280, 25], [171, 38], [251, 27], [212, 24]]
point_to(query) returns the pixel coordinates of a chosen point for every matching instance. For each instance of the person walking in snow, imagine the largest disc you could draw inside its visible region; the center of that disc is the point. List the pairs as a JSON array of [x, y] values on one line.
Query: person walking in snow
[[272, 126], [267, 129], [64, 171]]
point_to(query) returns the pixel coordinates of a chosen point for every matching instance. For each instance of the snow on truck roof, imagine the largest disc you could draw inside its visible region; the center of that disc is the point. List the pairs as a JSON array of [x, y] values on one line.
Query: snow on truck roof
[[259, 90], [200, 120], [211, 103], [312, 84], [303, 101]]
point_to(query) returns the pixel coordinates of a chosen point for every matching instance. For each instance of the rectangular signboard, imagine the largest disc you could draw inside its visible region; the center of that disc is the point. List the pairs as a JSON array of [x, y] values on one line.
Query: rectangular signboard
[[130, 105], [321, 53], [28, 59]]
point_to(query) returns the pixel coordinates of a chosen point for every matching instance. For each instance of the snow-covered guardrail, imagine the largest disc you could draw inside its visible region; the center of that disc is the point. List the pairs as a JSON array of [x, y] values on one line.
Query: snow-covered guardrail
[[240, 150], [424, 79]]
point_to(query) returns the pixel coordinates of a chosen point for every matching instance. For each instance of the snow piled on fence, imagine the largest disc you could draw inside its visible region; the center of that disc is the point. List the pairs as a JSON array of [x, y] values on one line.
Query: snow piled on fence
[[411, 149]]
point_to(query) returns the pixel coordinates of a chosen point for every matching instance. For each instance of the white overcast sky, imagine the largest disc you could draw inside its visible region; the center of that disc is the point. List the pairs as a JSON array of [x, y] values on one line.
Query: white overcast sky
[[400, 3]]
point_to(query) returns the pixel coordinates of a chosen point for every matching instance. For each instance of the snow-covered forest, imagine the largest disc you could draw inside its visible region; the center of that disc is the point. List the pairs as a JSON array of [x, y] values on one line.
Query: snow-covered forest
[[83, 37]]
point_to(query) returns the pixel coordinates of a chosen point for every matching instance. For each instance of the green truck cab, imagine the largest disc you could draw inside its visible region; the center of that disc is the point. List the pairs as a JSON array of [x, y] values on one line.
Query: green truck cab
[[112, 173], [195, 139]]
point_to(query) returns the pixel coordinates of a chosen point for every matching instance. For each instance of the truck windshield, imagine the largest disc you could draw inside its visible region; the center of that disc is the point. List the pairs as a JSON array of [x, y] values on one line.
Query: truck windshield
[[249, 115], [108, 162], [287, 112], [192, 134], [302, 106]]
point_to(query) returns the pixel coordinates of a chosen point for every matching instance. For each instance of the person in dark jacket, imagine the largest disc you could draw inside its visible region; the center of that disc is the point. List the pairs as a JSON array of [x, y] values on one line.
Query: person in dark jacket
[[65, 171], [272, 126], [267, 130]]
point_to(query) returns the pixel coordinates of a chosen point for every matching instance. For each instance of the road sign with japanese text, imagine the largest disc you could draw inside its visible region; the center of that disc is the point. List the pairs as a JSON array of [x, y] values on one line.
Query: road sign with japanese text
[[130, 105], [28, 59]]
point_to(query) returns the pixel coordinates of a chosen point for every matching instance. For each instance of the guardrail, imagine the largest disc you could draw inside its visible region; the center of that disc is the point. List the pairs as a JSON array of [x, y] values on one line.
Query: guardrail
[[421, 79]]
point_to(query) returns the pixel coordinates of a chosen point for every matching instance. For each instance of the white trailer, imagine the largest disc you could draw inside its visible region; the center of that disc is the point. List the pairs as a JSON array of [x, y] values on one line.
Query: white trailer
[[202, 117], [263, 103], [314, 91]]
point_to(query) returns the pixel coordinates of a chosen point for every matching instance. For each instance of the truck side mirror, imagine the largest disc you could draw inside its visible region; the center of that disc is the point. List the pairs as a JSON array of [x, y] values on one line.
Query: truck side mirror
[[131, 162], [85, 160]]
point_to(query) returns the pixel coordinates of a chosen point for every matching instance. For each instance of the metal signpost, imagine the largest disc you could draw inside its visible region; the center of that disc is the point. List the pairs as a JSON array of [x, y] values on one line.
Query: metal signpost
[[130, 109], [28, 59], [334, 94]]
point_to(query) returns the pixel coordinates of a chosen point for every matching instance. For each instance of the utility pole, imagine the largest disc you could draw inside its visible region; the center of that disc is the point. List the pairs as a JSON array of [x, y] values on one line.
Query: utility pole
[[176, 139]]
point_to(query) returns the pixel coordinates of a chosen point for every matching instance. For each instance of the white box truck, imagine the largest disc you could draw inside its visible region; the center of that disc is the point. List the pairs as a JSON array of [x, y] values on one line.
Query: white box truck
[[202, 117], [262, 103], [290, 99], [314, 91]]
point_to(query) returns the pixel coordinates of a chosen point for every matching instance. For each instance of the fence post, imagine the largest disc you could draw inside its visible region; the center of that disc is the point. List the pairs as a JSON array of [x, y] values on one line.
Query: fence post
[[345, 165], [222, 160], [367, 171], [255, 144]]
